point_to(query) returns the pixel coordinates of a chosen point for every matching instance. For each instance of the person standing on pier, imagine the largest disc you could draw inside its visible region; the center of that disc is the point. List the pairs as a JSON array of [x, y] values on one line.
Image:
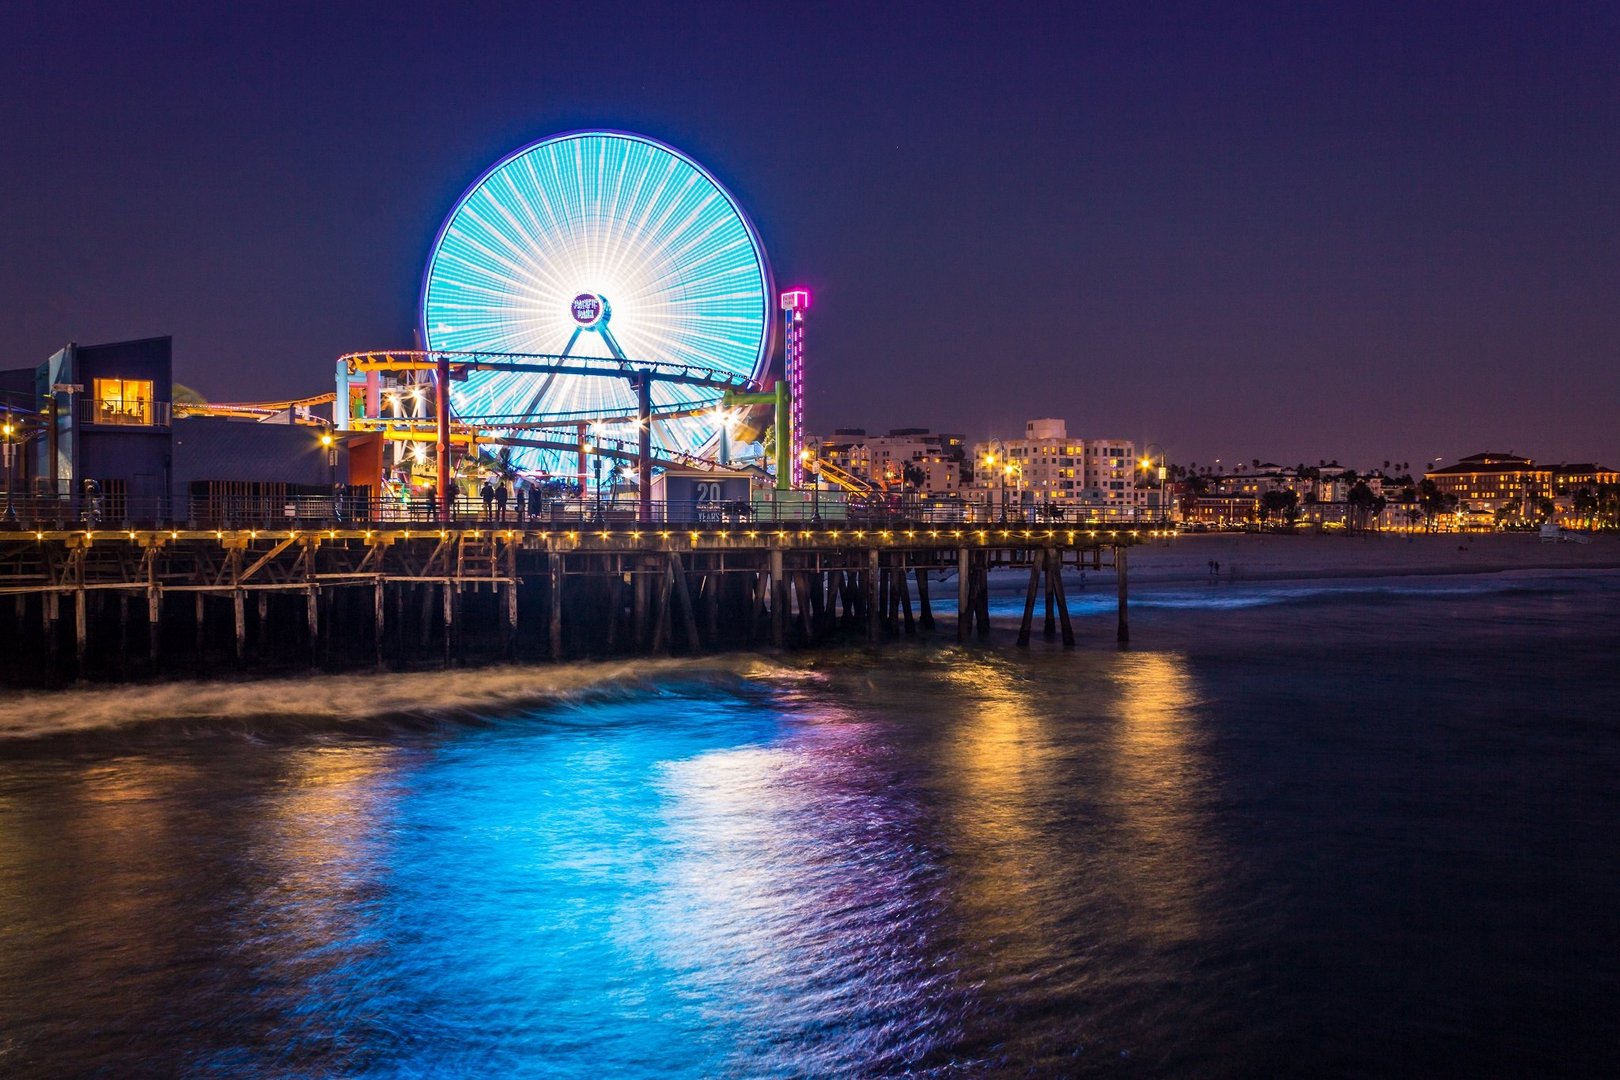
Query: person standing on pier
[[501, 495], [487, 494]]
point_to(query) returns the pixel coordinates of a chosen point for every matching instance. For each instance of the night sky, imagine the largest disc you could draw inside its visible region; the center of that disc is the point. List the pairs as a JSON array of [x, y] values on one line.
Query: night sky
[[1235, 231]]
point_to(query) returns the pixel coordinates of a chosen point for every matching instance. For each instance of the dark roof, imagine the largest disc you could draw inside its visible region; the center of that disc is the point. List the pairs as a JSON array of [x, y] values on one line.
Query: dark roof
[[1493, 456], [1477, 465]]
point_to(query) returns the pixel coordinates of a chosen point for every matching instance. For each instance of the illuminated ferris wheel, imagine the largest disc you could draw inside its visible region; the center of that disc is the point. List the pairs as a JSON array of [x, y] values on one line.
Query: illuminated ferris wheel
[[598, 245]]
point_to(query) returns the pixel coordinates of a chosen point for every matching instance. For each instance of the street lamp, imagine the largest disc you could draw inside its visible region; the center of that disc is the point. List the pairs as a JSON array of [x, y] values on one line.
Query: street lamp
[[330, 445], [10, 452], [596, 466], [1162, 474], [990, 462]]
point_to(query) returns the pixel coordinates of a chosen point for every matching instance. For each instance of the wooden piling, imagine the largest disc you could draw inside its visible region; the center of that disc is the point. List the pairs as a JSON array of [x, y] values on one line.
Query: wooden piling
[[377, 627], [49, 611], [1049, 631], [778, 600], [662, 638], [640, 586], [1036, 565], [81, 631], [615, 603], [312, 609], [1124, 595], [925, 618], [964, 614], [905, 597], [984, 596], [447, 617], [1054, 582], [677, 571], [200, 600], [555, 599], [154, 621], [874, 614], [511, 589]]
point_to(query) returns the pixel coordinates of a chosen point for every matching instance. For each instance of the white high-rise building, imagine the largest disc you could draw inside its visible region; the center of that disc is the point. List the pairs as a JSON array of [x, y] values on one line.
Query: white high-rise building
[[1049, 474]]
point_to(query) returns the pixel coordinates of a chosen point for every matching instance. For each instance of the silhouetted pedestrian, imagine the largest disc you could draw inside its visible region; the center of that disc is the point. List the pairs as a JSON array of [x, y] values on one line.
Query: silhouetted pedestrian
[[487, 494], [501, 496]]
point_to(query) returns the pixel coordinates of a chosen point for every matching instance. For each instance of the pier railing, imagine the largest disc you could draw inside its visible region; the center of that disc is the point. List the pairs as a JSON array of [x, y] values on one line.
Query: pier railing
[[117, 511]]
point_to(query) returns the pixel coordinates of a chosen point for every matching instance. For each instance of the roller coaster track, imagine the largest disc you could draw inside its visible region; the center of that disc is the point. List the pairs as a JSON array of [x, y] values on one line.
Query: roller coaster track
[[252, 410], [845, 479], [547, 364]]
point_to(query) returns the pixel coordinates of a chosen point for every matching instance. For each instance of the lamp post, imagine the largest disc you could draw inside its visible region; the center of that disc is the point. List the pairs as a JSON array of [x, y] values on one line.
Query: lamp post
[[991, 460], [595, 450], [330, 445], [10, 452], [1146, 466]]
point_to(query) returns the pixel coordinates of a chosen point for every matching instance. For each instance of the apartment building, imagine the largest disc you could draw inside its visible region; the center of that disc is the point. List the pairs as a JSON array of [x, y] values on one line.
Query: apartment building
[[1050, 471]]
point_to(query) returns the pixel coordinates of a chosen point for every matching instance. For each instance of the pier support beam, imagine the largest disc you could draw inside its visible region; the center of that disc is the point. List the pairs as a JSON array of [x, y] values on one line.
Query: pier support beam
[[81, 632], [449, 618], [964, 614], [984, 596], [555, 590], [677, 571], [377, 626], [1037, 563], [312, 610], [1054, 587], [1124, 595], [154, 621], [1052, 559], [779, 600], [874, 613], [925, 617]]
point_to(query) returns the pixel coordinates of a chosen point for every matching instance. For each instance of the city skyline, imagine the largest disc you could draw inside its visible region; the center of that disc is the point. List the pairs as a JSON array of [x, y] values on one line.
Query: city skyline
[[1363, 235]]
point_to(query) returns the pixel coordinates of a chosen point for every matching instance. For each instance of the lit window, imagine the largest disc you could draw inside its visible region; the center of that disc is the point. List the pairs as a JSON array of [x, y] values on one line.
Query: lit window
[[123, 401]]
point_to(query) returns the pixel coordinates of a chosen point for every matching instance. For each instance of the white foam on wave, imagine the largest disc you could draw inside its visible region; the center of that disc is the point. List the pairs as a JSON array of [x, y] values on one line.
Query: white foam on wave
[[329, 699]]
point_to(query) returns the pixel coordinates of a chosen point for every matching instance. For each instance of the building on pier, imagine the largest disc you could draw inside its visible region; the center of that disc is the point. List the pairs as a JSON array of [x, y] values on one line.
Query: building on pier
[[100, 440]]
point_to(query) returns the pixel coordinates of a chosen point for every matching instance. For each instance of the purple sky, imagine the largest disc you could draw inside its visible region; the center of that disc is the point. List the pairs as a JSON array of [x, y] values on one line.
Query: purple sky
[[1284, 232]]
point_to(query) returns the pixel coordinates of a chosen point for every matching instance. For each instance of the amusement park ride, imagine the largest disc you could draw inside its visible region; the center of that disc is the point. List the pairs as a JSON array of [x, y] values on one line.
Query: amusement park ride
[[595, 292]]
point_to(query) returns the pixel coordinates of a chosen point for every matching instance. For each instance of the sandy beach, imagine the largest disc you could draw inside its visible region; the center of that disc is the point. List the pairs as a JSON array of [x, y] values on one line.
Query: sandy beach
[[1276, 557]]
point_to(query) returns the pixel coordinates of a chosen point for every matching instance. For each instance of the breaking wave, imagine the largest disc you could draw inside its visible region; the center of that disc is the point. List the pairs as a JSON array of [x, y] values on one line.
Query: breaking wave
[[366, 703]]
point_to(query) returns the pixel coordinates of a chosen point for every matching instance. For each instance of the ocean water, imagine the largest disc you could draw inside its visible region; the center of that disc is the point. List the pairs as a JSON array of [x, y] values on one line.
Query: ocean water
[[1299, 829]]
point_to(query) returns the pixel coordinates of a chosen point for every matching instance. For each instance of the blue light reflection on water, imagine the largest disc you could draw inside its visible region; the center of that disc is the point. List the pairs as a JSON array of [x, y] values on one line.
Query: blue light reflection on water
[[669, 885]]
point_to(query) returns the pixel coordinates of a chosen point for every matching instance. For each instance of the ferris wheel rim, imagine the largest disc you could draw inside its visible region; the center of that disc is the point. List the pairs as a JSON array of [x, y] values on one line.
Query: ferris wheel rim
[[767, 279]]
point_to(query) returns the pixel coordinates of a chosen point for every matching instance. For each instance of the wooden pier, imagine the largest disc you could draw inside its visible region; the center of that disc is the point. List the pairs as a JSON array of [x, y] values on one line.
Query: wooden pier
[[106, 604]]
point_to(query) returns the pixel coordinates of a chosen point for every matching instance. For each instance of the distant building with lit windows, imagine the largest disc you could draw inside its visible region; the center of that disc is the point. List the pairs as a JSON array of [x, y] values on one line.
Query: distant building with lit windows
[[1491, 480], [1050, 472]]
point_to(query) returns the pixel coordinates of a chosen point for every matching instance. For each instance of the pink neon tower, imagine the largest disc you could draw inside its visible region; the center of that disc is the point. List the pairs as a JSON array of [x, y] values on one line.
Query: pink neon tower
[[795, 302]]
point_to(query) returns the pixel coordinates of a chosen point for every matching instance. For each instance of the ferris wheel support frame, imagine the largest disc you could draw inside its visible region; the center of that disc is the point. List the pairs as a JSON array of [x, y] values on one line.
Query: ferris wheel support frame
[[639, 374]]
